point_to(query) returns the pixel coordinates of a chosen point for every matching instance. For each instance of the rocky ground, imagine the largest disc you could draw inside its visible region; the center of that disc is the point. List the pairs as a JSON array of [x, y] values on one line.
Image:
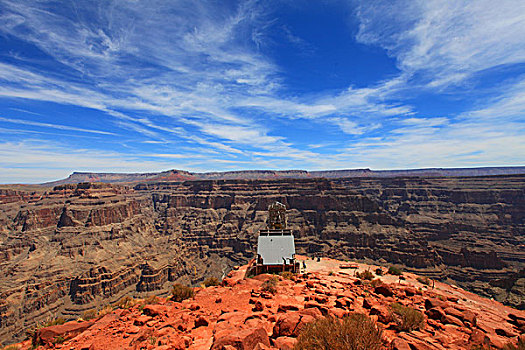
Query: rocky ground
[[77, 247], [241, 315]]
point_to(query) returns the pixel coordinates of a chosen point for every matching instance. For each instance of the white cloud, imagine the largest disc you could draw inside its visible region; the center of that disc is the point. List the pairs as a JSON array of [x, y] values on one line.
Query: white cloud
[[446, 42], [53, 126], [193, 73]]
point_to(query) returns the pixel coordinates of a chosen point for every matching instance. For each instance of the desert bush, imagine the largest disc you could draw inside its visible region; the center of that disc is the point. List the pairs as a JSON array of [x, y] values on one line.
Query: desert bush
[[124, 303], [211, 281], [519, 346], [394, 270], [424, 280], [105, 310], [53, 322], [287, 275], [180, 292], [354, 332], [152, 299], [269, 285], [379, 271], [89, 314], [152, 340], [407, 318], [11, 347], [59, 339], [365, 275]]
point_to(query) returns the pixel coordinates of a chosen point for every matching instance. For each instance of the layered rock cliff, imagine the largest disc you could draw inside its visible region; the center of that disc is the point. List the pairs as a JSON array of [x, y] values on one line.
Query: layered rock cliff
[[81, 246]]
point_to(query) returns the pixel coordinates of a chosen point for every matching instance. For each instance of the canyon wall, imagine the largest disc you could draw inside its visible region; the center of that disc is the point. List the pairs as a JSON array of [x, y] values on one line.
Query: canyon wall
[[82, 246]]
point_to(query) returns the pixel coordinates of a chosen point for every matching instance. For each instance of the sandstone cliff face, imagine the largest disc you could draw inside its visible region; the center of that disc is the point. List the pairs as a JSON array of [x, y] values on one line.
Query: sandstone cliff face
[[81, 246]]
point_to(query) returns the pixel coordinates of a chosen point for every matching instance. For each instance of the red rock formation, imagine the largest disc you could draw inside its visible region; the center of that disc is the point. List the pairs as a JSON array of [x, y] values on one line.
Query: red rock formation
[[223, 317]]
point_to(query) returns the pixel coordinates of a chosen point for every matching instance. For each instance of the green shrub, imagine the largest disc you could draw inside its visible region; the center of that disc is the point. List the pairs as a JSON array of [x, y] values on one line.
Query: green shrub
[[424, 280], [519, 346], [124, 303], [152, 299], [269, 285], [89, 314], [365, 275], [356, 331], [105, 310], [211, 281], [407, 318], [152, 340], [53, 322], [288, 275], [394, 270], [181, 292], [379, 271], [59, 339]]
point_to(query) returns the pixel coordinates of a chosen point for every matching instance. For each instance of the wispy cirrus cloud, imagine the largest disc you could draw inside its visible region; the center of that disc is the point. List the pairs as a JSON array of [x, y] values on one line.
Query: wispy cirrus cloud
[[445, 43], [180, 75], [53, 126]]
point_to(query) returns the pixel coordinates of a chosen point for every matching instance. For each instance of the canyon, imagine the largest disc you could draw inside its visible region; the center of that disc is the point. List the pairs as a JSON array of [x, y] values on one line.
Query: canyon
[[75, 247]]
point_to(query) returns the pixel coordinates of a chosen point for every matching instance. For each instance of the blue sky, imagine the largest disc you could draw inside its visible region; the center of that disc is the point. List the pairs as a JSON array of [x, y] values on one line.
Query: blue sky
[[134, 86]]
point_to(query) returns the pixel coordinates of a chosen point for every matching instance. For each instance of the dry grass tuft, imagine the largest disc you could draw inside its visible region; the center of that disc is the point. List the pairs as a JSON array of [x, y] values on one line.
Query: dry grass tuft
[[287, 275], [269, 285], [180, 292], [365, 275], [424, 280], [354, 332], [394, 270], [407, 318], [211, 281], [124, 303], [89, 314], [150, 300]]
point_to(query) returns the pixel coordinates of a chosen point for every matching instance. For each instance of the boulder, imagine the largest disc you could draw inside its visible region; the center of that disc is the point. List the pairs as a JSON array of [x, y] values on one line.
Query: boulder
[[283, 307], [384, 289], [383, 313], [141, 320], [435, 313], [241, 339], [291, 323], [258, 306], [399, 344], [433, 302], [285, 343], [449, 319], [479, 339], [465, 316], [154, 310], [48, 335], [201, 322]]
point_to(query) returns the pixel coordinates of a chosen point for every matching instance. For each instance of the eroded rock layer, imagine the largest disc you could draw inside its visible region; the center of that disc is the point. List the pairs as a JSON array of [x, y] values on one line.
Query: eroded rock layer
[[81, 246]]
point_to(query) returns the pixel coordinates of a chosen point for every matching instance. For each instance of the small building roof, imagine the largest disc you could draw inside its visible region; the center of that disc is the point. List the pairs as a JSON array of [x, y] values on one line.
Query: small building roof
[[273, 249]]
